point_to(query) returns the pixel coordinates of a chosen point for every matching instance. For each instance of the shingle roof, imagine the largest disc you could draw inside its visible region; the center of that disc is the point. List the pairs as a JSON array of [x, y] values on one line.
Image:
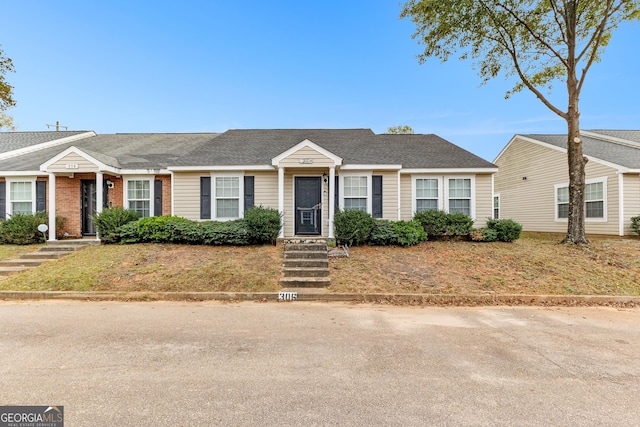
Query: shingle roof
[[630, 135], [620, 154], [10, 141], [354, 146]]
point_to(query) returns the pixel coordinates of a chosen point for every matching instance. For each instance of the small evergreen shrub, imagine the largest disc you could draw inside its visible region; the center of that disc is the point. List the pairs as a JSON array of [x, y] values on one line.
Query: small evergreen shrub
[[635, 224], [484, 235], [353, 227], [263, 224], [383, 234], [433, 222], [507, 230], [459, 225], [225, 233], [409, 233], [158, 229], [22, 229], [108, 221]]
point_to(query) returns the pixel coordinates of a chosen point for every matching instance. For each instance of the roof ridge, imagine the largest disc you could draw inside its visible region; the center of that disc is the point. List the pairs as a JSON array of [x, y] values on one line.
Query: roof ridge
[[611, 139]]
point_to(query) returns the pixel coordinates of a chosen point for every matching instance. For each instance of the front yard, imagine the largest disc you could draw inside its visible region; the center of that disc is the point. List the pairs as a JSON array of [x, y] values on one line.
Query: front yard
[[535, 264]]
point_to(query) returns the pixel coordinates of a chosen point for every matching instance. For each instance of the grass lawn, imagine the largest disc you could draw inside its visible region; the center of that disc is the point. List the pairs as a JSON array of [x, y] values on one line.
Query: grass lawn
[[535, 264], [13, 251]]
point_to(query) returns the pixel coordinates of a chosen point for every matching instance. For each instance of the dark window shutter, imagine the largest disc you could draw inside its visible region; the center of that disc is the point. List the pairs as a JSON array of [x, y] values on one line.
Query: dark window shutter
[[3, 200], [249, 195], [376, 187], [41, 196], [205, 197], [337, 193], [157, 197]]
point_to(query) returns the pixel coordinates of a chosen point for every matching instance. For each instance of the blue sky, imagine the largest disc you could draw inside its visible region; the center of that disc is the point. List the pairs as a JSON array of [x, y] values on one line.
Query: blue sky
[[208, 66]]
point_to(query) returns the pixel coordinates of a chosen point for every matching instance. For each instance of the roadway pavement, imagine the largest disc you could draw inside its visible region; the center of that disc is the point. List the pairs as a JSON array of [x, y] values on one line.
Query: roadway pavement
[[309, 363]]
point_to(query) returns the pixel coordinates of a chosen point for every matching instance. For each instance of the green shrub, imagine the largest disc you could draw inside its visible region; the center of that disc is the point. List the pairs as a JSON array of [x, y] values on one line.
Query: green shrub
[[433, 222], [126, 234], [507, 230], [635, 224], [158, 229], [22, 229], [108, 221], [484, 235], [263, 224], [409, 233], [225, 233], [187, 231], [353, 227], [459, 225], [383, 234]]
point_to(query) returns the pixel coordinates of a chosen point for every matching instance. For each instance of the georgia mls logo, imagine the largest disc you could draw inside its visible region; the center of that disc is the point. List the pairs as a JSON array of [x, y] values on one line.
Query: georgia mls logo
[[31, 416]]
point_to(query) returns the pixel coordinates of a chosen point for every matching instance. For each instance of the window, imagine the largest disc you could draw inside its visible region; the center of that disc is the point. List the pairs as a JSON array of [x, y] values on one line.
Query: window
[[426, 194], [460, 195], [496, 207], [21, 196], [227, 196], [139, 196], [355, 193], [594, 199]]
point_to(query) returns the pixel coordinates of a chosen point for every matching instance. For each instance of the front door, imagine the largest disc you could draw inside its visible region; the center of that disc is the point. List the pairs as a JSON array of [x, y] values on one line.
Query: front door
[[89, 205], [308, 200]]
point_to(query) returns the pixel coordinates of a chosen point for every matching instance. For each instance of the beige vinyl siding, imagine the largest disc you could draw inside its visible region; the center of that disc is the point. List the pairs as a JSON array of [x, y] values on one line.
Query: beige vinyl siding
[[389, 194], [406, 207], [265, 188], [319, 160], [631, 183], [73, 159], [532, 201], [186, 194], [484, 200]]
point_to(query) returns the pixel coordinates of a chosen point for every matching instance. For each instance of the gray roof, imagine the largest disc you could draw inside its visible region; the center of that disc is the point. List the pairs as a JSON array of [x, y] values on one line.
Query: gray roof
[[127, 151], [354, 146], [629, 135], [620, 154], [10, 141]]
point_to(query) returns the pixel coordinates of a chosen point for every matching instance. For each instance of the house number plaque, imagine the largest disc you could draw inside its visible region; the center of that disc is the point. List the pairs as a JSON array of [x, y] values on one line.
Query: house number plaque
[[71, 166], [287, 296], [306, 161]]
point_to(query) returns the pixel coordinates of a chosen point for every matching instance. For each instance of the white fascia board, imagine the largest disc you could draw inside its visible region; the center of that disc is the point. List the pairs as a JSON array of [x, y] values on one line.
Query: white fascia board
[[73, 149], [451, 170], [44, 145], [221, 168], [609, 138], [370, 167], [23, 173], [306, 143], [143, 172]]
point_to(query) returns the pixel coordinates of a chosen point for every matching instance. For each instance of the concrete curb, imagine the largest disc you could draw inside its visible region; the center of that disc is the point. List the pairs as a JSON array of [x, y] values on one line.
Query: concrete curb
[[312, 295]]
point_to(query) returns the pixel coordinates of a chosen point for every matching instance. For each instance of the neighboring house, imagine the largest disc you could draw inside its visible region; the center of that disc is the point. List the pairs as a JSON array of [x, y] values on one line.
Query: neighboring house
[[305, 174], [531, 186]]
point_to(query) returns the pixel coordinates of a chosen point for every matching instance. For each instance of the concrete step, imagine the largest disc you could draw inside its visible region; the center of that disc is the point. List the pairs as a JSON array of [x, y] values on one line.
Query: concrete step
[[60, 248], [44, 255], [79, 242], [306, 247], [7, 271], [305, 282], [22, 262], [305, 254], [296, 262], [305, 272]]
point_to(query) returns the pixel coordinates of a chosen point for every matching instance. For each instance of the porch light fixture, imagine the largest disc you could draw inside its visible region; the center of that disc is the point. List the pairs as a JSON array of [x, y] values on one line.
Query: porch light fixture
[[325, 178]]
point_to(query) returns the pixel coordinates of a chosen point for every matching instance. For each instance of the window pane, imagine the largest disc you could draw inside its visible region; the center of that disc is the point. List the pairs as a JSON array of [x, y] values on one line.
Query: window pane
[[593, 191], [21, 207], [460, 205], [460, 187], [563, 195], [595, 210], [563, 210], [355, 186], [21, 191], [227, 208], [227, 186], [426, 205], [141, 207], [427, 188], [359, 204], [138, 190]]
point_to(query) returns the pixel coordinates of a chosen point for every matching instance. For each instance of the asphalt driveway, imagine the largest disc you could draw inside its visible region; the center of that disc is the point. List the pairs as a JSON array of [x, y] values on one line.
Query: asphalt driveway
[[299, 363]]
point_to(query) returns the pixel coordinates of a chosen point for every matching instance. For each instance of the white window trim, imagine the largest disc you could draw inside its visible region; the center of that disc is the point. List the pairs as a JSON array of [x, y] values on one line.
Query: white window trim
[[493, 208], [214, 196], [472, 202], [125, 193], [9, 202], [604, 218], [414, 199], [366, 174]]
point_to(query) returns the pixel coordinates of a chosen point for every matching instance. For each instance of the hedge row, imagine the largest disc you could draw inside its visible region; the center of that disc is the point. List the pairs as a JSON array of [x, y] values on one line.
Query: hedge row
[[22, 229], [117, 225], [355, 227]]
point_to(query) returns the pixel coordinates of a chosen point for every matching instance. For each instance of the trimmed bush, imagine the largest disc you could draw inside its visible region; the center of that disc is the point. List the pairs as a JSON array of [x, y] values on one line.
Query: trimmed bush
[[353, 227], [158, 229], [225, 233], [440, 225], [635, 224], [484, 235], [409, 233], [383, 234], [22, 229], [108, 221], [507, 230], [263, 224]]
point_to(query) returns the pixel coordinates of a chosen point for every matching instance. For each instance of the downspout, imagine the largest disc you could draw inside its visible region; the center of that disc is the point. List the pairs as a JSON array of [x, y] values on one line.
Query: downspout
[[620, 204], [399, 199]]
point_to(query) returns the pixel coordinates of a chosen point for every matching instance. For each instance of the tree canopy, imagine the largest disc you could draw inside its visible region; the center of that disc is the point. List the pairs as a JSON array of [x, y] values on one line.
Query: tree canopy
[[6, 92], [404, 129], [539, 43]]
